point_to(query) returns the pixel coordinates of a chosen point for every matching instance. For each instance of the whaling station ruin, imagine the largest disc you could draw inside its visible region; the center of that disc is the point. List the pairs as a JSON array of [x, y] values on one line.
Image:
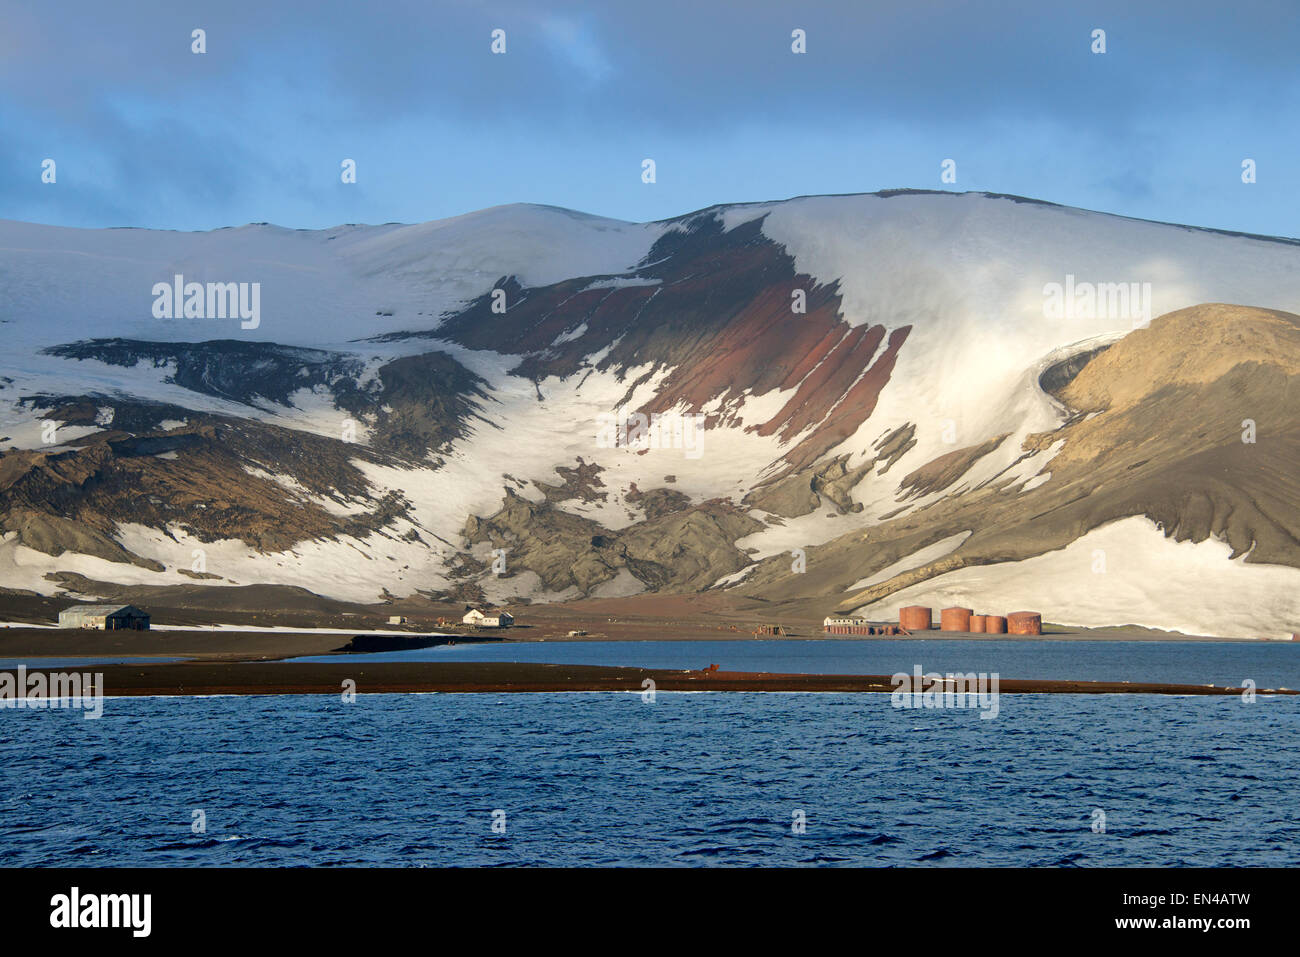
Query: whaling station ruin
[[916, 618], [104, 618]]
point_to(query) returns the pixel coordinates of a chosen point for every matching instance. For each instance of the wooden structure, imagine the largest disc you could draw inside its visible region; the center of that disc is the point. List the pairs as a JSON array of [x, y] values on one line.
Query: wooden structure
[[860, 626], [104, 618]]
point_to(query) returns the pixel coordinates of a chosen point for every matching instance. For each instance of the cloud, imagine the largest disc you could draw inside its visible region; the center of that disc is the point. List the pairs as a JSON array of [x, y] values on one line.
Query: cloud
[[575, 43], [256, 127]]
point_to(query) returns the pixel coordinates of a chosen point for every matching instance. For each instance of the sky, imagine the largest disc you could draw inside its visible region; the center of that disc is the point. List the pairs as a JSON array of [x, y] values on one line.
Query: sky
[[145, 132]]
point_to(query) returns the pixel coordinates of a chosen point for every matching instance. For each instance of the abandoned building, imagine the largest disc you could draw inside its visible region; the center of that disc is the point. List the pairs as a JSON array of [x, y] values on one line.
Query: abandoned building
[[104, 617]]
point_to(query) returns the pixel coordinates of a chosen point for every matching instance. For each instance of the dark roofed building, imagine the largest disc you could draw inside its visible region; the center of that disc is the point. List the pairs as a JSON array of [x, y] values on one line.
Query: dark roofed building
[[104, 617]]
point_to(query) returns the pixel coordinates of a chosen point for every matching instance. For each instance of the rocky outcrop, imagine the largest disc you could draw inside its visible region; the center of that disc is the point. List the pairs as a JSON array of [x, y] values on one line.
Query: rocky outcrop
[[423, 403], [799, 494], [213, 478], [55, 535], [941, 472], [414, 406], [244, 372], [657, 502], [579, 483], [682, 550], [894, 445]]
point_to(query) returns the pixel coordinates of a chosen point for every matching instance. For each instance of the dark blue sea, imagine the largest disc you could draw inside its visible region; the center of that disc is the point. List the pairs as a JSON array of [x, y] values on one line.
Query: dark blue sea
[[685, 780], [1271, 664]]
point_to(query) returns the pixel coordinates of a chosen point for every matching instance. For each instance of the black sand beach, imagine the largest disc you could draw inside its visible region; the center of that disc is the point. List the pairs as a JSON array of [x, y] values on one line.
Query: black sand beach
[[288, 677]]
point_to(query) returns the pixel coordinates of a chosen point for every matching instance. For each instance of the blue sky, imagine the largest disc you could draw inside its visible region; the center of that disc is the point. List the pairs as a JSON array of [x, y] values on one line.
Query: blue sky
[[146, 133]]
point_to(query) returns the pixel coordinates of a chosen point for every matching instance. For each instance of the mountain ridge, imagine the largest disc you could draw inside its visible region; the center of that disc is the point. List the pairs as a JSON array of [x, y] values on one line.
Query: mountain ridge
[[410, 427]]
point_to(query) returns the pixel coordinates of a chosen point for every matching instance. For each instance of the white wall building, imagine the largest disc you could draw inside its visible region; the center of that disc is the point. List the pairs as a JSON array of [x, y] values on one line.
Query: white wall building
[[488, 619]]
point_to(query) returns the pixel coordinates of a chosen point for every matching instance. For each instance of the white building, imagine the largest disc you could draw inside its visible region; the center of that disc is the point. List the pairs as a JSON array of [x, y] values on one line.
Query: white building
[[488, 619]]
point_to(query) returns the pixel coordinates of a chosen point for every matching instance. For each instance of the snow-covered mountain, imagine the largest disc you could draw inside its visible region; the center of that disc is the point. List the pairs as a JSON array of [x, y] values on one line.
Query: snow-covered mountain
[[845, 402]]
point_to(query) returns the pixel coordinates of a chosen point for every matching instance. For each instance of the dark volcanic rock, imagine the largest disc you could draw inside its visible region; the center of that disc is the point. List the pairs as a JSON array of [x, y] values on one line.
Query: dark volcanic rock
[[418, 405], [226, 368], [685, 550]]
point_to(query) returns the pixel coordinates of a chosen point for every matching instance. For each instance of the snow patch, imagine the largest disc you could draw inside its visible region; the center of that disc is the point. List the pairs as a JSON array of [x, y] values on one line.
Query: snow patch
[[1149, 579]]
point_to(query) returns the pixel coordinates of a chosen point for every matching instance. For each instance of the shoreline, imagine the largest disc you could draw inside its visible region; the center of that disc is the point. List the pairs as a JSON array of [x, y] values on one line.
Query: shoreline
[[267, 645], [267, 620], [195, 678]]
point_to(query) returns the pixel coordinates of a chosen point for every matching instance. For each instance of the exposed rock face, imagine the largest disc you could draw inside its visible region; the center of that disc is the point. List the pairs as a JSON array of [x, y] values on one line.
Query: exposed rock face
[[797, 494], [713, 309], [695, 546], [74, 499], [686, 549], [940, 473], [415, 405], [894, 445], [54, 535], [226, 368], [835, 480], [1166, 443], [424, 402], [580, 483], [789, 497], [1060, 374], [657, 502]]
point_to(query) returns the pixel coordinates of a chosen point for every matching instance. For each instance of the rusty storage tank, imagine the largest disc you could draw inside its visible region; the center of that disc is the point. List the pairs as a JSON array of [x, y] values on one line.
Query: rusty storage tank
[[977, 624], [915, 618], [1024, 623], [955, 619], [995, 625]]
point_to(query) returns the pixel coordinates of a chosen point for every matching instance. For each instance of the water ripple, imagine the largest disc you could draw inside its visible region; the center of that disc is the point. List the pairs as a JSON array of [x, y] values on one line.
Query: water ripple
[[692, 779]]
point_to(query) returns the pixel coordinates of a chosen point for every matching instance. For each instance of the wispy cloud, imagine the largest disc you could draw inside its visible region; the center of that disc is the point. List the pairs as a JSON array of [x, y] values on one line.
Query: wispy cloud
[[574, 42], [255, 128]]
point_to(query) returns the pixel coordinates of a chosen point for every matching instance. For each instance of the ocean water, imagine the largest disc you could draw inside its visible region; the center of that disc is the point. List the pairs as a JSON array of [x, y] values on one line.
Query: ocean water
[[685, 780], [1269, 665]]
